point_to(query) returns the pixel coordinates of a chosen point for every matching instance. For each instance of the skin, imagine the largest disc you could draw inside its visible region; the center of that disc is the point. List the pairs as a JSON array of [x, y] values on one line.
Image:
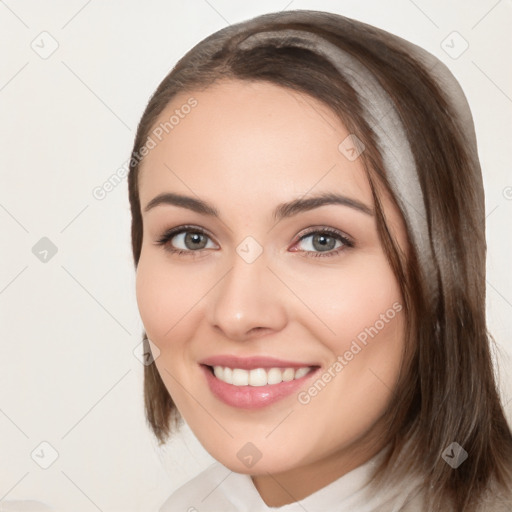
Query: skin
[[245, 148]]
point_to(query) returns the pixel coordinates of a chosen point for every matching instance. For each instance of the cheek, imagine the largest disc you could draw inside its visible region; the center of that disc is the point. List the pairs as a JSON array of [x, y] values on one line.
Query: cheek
[[168, 306], [370, 308], [362, 294], [151, 299], [362, 308], [353, 392], [165, 296]]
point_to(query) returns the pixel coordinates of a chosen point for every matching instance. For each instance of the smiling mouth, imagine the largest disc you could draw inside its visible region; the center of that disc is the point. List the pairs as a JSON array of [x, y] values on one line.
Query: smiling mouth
[[255, 382], [259, 376]]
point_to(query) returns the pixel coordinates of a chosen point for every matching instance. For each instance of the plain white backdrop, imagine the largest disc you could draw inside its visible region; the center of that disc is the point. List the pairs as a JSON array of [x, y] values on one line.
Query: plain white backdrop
[[75, 77]]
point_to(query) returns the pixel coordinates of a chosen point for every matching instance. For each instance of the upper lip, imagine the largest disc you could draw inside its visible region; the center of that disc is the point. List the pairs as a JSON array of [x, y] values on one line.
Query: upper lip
[[250, 363]]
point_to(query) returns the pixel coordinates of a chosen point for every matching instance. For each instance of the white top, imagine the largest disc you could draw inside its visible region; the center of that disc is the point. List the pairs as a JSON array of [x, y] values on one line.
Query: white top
[[217, 489]]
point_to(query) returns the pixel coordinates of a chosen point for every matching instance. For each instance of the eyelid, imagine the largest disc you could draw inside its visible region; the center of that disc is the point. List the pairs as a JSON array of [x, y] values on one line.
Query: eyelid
[[325, 229], [171, 233], [346, 240]]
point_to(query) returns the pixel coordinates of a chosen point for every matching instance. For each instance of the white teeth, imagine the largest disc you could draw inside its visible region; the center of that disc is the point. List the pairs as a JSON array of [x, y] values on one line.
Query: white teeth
[[301, 372], [240, 377], [228, 375], [274, 376], [288, 374], [258, 376]]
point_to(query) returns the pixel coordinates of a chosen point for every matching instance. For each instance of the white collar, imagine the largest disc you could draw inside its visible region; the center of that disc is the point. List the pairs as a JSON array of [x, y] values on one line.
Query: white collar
[[218, 489]]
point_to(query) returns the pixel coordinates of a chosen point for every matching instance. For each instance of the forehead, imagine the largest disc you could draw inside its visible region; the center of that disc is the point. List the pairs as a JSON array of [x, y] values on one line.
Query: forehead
[[251, 143]]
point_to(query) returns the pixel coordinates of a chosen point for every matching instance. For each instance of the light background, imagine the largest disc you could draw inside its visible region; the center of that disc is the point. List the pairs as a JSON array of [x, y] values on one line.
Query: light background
[[68, 327]]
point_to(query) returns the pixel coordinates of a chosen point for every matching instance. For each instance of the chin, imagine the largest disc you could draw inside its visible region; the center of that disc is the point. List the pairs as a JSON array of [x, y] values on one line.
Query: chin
[[261, 467], [255, 458]]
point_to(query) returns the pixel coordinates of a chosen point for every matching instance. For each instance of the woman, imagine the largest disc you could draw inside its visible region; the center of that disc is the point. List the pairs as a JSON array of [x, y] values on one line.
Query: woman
[[308, 231]]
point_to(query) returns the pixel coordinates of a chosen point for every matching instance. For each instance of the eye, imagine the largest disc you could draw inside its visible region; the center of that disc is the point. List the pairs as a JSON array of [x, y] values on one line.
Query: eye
[[317, 242], [185, 240], [326, 241]]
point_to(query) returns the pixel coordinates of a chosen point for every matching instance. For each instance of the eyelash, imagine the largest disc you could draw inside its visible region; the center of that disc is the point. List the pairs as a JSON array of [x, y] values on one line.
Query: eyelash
[[334, 233]]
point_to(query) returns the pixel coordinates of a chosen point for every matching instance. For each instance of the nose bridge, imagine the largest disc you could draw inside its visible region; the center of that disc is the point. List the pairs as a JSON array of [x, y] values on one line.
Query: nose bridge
[[245, 298]]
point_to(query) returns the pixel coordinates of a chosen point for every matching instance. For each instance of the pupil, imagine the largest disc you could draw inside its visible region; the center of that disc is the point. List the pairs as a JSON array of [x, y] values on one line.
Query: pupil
[[194, 238], [323, 242]]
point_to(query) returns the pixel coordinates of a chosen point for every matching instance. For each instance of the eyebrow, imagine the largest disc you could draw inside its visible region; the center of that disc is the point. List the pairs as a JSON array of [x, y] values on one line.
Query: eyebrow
[[282, 211]]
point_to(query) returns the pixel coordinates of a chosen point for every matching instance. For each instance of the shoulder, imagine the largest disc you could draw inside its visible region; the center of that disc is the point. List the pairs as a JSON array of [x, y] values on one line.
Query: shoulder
[[191, 496]]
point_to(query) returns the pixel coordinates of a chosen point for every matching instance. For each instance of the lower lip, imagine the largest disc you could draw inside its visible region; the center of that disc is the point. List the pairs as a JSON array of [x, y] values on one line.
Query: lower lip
[[252, 397]]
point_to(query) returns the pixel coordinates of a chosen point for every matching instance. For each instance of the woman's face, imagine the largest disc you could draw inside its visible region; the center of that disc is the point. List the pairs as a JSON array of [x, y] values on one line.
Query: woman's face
[[292, 294]]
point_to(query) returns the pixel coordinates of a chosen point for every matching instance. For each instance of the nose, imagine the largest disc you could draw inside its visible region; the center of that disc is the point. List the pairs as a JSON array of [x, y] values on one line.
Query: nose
[[248, 301]]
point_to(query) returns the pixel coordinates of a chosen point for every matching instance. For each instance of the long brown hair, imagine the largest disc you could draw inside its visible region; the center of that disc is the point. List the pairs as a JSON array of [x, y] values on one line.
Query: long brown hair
[[446, 390]]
